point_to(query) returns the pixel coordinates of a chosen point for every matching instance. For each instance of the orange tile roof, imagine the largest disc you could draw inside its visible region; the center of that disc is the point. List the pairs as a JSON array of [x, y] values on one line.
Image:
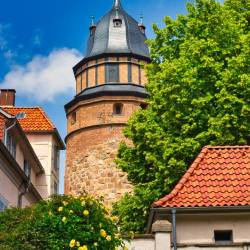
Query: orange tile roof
[[35, 119], [220, 176]]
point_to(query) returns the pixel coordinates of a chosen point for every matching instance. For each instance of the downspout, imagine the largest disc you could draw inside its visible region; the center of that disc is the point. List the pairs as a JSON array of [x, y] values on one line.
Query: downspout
[[174, 237], [26, 185]]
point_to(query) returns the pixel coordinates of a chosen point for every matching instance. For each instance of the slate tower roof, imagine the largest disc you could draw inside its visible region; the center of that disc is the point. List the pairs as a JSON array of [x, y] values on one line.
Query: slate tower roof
[[117, 33]]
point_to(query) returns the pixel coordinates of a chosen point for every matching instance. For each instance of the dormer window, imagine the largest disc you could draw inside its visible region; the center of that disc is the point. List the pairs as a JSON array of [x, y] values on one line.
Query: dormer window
[[117, 23]]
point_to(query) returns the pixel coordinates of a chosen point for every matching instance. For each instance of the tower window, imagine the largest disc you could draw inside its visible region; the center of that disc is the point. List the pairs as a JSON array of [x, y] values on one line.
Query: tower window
[[112, 73], [143, 106], [223, 236], [118, 108], [73, 118], [117, 23]]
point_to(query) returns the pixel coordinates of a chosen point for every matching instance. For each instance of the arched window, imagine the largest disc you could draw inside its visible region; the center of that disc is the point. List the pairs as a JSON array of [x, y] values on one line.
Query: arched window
[[118, 109], [73, 118]]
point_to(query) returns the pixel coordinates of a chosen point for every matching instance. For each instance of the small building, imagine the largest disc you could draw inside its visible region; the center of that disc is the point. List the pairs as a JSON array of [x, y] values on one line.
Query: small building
[[20, 167], [43, 138], [210, 206]]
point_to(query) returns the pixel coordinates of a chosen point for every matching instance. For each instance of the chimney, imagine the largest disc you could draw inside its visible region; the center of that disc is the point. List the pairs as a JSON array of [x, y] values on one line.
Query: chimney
[[7, 97]]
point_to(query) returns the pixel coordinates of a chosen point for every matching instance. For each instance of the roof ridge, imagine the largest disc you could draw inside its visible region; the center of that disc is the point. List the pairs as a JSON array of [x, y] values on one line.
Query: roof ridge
[[229, 146], [184, 179], [22, 107]]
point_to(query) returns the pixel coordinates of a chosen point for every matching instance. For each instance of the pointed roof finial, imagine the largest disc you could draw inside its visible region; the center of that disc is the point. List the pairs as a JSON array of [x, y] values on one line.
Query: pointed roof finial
[[141, 18], [117, 3], [92, 20]]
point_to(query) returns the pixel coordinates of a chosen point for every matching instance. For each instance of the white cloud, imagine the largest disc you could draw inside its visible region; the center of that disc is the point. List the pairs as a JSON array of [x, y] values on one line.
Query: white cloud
[[44, 77]]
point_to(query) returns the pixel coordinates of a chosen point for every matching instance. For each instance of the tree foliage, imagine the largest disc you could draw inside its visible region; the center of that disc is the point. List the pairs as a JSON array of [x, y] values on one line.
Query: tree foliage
[[199, 86], [60, 223]]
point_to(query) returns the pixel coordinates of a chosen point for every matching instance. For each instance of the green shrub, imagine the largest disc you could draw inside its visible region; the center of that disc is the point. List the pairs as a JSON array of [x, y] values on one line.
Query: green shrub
[[62, 222]]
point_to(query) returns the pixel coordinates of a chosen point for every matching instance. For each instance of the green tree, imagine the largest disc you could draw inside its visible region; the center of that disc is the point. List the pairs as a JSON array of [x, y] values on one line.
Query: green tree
[[199, 86], [63, 222]]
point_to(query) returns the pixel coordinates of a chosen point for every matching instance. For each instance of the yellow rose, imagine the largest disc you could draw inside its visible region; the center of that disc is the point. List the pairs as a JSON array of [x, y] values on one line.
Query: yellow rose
[[117, 236], [65, 203], [72, 243], [114, 218], [60, 209], [64, 219], [108, 238], [103, 233], [85, 212], [83, 248]]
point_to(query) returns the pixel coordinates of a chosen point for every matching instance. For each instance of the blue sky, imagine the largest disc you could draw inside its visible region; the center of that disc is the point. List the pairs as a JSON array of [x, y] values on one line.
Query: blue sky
[[40, 41]]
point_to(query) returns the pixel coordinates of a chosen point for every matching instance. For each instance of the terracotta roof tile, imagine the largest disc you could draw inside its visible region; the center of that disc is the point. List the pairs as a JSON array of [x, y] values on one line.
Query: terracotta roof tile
[[35, 119], [220, 176]]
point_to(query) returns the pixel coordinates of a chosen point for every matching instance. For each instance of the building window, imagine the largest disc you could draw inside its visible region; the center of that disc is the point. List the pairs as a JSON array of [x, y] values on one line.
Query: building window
[[223, 236], [118, 109], [11, 145], [73, 118], [3, 204], [112, 73], [27, 168], [55, 188], [56, 158], [117, 23]]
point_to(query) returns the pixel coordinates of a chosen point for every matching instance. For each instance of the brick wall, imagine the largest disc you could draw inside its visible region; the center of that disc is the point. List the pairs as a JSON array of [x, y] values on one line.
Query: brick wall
[[138, 76]]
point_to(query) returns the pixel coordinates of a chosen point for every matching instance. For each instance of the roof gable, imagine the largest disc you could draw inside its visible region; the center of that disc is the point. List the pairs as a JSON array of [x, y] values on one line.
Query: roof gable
[[35, 119], [220, 176]]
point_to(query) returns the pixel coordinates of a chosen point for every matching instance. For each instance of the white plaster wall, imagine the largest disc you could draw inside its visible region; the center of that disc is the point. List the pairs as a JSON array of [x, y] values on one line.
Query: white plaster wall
[[141, 244], [43, 147], [8, 189], [228, 247], [19, 155], [200, 228]]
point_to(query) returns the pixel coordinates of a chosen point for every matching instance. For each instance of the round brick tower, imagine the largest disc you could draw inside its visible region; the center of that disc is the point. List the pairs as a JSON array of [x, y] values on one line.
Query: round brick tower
[[110, 84]]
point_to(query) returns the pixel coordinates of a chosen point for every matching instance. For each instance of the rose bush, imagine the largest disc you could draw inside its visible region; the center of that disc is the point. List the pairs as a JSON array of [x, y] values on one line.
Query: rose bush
[[62, 222]]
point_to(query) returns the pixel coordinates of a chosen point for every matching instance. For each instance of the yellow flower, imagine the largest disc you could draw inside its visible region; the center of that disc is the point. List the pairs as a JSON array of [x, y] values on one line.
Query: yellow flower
[[103, 233], [114, 218], [117, 236], [108, 238], [100, 225], [125, 248], [85, 212], [83, 248], [116, 248], [65, 203], [60, 209], [72, 243], [95, 244], [71, 211], [78, 244], [64, 219], [83, 203]]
